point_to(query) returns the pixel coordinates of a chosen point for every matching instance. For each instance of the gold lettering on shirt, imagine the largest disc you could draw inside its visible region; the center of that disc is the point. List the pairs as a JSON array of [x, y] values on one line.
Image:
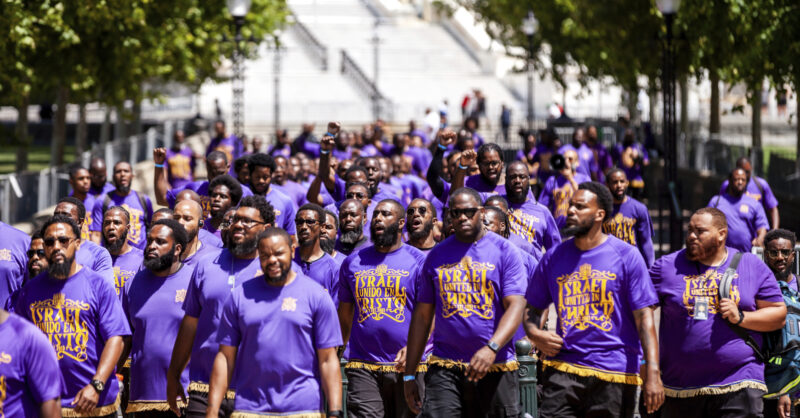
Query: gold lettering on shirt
[[135, 234], [465, 290], [378, 294], [3, 393], [622, 228], [60, 319], [179, 166], [584, 299], [5, 358], [85, 235], [561, 197], [756, 196], [180, 295], [524, 225], [120, 278], [706, 285], [289, 304], [5, 255]]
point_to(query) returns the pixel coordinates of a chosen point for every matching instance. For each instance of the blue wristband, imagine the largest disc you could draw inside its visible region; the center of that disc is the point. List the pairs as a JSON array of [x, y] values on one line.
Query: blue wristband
[[463, 167], [322, 151], [409, 378], [442, 147], [159, 165], [330, 134]]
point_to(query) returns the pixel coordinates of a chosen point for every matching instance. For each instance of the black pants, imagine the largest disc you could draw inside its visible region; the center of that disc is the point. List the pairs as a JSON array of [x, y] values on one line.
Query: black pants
[[378, 394], [198, 403], [745, 403], [569, 395], [448, 394], [155, 414]]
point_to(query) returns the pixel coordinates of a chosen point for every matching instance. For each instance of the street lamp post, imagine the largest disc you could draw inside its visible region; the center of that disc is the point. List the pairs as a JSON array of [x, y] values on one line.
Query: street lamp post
[[276, 69], [669, 8], [238, 9], [529, 25]]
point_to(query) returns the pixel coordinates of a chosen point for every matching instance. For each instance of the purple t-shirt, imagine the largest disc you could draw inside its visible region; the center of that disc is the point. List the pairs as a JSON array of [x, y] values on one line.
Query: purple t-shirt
[[595, 293], [278, 330], [96, 258], [88, 204], [324, 271], [181, 167], [695, 353], [634, 173], [467, 283], [137, 236], [212, 230], [531, 262], [556, 194], [153, 307], [282, 150], [383, 288], [588, 165], [13, 260], [533, 222], [29, 372], [78, 315], [745, 217], [210, 239], [96, 192], [230, 146], [294, 190], [342, 154], [477, 183], [125, 267], [211, 284], [201, 188], [630, 222], [768, 202], [285, 210], [206, 250], [339, 258]]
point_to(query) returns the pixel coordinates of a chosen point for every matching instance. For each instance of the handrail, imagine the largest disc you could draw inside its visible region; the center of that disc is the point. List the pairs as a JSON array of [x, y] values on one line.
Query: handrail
[[311, 44], [351, 70]]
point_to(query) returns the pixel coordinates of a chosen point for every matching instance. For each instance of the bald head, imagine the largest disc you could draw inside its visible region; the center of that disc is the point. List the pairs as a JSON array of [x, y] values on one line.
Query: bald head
[[189, 214], [187, 194]]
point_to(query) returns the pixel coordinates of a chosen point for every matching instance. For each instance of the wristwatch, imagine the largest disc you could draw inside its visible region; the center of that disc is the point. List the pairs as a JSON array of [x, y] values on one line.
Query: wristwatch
[[336, 414], [493, 346], [98, 385]]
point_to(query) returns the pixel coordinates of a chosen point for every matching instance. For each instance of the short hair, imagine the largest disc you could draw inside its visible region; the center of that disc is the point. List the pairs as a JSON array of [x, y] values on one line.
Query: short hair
[[261, 160], [355, 167], [604, 198], [77, 202], [264, 208], [465, 190], [239, 163], [718, 218], [615, 170], [216, 156], [487, 148], [163, 210], [231, 183], [125, 213], [428, 205], [358, 183], [742, 160], [272, 232], [780, 233], [503, 218], [401, 211], [735, 169], [497, 198], [314, 208], [73, 170], [179, 234], [515, 162], [356, 202], [335, 218], [61, 219], [36, 235]]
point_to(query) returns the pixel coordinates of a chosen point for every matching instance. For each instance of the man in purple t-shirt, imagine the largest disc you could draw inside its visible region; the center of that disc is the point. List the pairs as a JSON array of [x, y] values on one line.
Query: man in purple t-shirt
[[282, 328], [603, 300], [81, 181], [180, 160], [189, 214], [224, 193], [327, 240], [211, 285], [746, 222], [758, 189], [379, 285], [230, 145], [125, 259], [707, 366], [489, 180], [529, 220], [30, 382], [558, 189], [352, 218], [261, 167], [99, 174], [473, 284], [138, 206], [313, 261], [630, 219], [89, 254], [80, 314], [420, 222]]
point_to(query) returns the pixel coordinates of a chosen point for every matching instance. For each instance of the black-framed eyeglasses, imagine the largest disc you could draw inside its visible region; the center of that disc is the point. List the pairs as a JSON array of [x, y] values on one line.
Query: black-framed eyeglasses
[[39, 253], [49, 242], [246, 222], [309, 222], [224, 225], [494, 163], [469, 212], [422, 210], [775, 253]]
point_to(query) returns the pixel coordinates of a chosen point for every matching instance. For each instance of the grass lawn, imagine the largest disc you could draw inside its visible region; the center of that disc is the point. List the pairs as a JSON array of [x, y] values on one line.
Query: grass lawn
[[38, 158]]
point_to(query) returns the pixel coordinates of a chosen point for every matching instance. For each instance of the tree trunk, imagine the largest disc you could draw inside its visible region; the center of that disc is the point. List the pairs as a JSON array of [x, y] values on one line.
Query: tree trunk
[[81, 132], [713, 125], [22, 137], [755, 125], [119, 128], [633, 100], [59, 138], [105, 129], [683, 84], [137, 117]]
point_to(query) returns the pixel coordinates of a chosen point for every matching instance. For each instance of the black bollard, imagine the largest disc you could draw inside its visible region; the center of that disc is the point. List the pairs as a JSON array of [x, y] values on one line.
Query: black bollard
[[527, 378]]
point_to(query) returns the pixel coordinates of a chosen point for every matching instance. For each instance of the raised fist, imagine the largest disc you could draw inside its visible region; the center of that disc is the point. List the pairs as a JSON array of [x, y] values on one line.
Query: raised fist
[[327, 143], [447, 137], [468, 158], [333, 128], [159, 155]]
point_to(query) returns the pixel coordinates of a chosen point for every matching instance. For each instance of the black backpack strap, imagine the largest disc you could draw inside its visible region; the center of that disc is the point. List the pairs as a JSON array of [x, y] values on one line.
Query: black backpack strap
[[724, 293], [760, 188], [716, 202], [143, 202], [106, 202]]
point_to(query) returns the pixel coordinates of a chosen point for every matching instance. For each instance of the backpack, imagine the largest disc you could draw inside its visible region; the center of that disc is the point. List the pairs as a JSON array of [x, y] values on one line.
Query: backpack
[[142, 201], [782, 368]]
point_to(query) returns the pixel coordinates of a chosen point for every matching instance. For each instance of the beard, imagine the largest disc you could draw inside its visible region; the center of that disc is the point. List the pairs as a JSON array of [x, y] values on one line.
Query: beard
[[327, 244], [697, 254], [116, 246], [60, 269], [160, 263], [284, 274], [123, 189], [423, 233], [388, 238], [244, 248], [513, 196], [576, 231], [784, 274], [351, 237]]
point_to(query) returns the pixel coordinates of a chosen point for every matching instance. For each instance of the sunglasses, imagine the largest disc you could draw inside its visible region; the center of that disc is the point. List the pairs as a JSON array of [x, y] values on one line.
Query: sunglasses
[[774, 253], [422, 210], [469, 212], [39, 253], [358, 196], [49, 242], [308, 222]]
